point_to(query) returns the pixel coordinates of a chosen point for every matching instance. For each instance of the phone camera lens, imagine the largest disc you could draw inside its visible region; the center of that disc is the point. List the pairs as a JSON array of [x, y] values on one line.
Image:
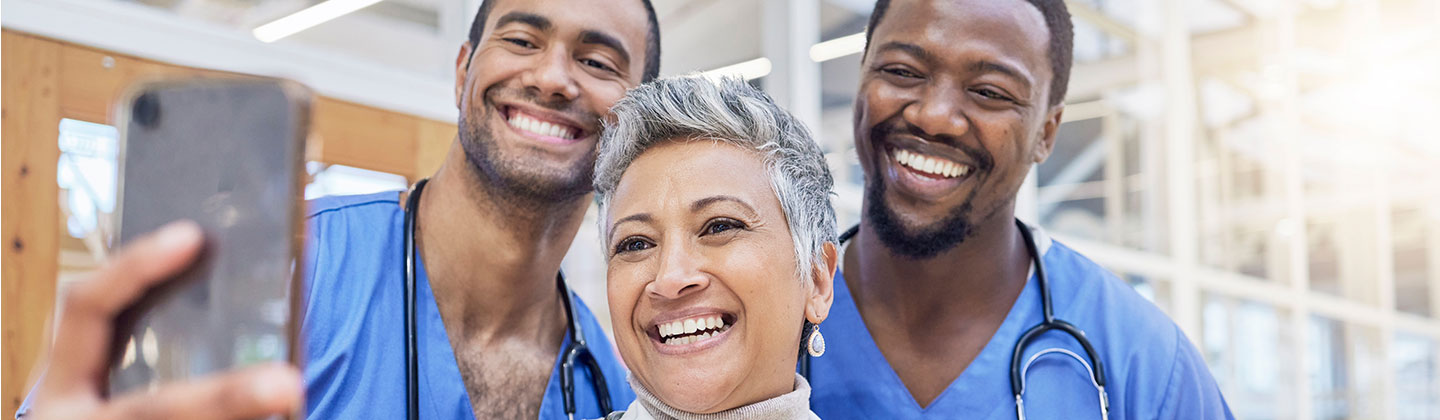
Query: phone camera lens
[[146, 111]]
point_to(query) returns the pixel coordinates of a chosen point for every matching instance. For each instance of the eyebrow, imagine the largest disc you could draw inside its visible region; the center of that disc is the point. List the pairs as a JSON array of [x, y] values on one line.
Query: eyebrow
[[539, 22], [991, 66], [638, 217], [716, 199], [908, 48], [694, 207], [980, 66], [605, 40]]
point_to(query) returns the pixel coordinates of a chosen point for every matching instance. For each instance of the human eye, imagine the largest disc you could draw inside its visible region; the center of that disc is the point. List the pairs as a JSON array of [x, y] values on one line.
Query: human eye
[[519, 42], [597, 64], [900, 71], [722, 225], [633, 244], [993, 94]]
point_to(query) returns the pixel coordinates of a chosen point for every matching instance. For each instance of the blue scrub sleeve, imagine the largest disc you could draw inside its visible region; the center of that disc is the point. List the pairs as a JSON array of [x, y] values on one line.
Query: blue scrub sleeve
[[1192, 393]]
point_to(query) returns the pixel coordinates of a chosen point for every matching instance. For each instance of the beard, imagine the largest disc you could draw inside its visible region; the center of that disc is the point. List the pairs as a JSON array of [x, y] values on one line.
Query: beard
[[513, 177], [921, 243], [928, 241]]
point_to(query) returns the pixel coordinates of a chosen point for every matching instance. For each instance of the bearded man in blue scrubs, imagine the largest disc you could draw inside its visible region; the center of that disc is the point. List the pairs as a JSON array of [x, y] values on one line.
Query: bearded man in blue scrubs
[[532, 84], [958, 100]]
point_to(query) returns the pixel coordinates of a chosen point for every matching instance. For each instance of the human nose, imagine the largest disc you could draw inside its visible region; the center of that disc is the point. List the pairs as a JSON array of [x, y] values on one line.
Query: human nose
[[940, 112], [680, 273], [551, 77]]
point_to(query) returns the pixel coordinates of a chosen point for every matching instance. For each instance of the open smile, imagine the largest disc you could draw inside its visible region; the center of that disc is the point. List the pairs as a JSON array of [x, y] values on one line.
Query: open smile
[[929, 166], [925, 174], [692, 333], [543, 126]]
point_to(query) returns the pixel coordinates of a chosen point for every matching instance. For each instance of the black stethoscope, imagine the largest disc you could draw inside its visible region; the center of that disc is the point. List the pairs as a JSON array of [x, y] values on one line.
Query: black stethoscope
[[1018, 370], [577, 351]]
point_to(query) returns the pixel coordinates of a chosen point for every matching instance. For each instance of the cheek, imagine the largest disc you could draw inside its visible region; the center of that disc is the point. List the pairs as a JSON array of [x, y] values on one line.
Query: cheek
[[623, 288], [603, 95], [764, 278]]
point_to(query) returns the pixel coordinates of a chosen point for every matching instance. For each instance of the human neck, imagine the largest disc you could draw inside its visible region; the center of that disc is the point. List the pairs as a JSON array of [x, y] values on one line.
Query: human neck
[[492, 264], [978, 277]]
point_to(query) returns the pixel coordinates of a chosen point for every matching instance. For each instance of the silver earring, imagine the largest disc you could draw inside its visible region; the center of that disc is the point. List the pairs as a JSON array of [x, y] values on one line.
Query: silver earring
[[816, 343]]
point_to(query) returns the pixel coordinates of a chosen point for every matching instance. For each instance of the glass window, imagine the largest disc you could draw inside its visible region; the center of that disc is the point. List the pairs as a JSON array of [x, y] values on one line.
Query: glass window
[[86, 175], [1244, 343], [347, 180], [1329, 383], [1412, 265], [1417, 393]]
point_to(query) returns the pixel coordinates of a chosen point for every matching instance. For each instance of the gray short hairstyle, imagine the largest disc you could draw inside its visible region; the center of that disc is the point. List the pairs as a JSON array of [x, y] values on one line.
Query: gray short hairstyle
[[731, 111]]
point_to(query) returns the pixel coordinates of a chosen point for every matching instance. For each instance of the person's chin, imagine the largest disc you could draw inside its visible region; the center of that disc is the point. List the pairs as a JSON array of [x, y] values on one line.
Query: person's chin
[[696, 392], [697, 376]]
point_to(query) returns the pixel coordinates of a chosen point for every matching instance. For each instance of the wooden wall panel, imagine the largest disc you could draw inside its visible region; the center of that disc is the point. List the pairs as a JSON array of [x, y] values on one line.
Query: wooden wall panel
[[46, 80], [93, 80], [364, 137], [31, 210], [432, 143]]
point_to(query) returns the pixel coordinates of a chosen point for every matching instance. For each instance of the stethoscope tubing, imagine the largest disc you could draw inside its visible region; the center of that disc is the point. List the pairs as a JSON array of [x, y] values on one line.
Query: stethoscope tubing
[[1017, 369]]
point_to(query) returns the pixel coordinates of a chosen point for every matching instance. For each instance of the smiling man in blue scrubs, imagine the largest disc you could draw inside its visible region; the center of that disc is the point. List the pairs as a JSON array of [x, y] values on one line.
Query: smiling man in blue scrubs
[[532, 84], [958, 100]]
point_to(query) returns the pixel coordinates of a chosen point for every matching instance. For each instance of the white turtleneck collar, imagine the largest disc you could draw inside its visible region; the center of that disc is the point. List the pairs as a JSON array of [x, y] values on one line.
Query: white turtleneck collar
[[794, 405]]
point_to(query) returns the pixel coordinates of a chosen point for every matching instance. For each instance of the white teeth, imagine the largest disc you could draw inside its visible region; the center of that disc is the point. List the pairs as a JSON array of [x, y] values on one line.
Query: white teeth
[[539, 127], [685, 331], [931, 165]]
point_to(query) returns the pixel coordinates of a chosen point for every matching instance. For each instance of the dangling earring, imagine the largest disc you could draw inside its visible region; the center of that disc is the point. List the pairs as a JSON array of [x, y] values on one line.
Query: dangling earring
[[816, 343]]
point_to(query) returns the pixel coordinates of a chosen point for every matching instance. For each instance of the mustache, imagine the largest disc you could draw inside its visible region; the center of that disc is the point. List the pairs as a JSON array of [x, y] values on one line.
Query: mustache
[[896, 126]]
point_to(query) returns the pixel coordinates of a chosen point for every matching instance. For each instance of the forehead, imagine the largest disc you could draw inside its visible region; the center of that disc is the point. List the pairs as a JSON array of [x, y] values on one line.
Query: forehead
[[1012, 29], [682, 171], [624, 19]]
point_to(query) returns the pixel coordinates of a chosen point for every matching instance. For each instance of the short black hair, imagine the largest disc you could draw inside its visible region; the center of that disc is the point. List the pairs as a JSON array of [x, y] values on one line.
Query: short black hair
[[1062, 40], [652, 39]]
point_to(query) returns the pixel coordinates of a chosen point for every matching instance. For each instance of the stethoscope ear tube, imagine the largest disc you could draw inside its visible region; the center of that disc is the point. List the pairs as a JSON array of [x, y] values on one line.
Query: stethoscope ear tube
[[579, 351], [412, 362]]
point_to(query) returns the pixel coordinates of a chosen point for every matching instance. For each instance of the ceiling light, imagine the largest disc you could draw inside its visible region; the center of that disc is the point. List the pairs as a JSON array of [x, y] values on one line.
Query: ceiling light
[[305, 19], [838, 47], [753, 69]]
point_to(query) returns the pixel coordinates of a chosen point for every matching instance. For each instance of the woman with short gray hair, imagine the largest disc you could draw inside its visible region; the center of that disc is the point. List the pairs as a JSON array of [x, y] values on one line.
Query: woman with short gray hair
[[720, 246]]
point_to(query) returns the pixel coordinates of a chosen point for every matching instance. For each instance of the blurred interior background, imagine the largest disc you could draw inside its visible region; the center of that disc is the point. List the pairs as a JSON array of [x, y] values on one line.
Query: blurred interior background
[[1263, 170]]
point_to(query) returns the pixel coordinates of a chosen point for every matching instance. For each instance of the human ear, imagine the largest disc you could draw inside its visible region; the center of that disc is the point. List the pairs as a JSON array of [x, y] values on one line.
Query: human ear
[[822, 294], [462, 70], [1048, 132]]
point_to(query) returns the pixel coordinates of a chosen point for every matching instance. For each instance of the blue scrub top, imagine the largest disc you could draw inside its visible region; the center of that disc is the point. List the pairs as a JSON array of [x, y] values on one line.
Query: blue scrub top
[[354, 325], [1152, 370]]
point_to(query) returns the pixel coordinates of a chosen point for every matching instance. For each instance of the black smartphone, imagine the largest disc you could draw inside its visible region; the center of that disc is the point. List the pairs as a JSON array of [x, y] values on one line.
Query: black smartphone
[[229, 155]]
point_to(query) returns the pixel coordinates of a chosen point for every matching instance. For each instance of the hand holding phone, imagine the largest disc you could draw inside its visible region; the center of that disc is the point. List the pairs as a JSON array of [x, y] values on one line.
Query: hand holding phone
[[74, 383], [195, 321]]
